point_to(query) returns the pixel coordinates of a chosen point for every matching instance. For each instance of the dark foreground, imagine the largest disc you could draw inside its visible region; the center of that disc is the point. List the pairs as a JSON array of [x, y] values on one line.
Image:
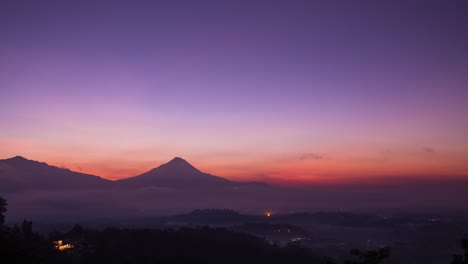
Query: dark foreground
[[185, 245], [182, 244]]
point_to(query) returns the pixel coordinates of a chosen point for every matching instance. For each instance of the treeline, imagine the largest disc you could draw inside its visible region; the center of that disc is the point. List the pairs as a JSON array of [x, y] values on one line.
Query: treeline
[[185, 245], [19, 244]]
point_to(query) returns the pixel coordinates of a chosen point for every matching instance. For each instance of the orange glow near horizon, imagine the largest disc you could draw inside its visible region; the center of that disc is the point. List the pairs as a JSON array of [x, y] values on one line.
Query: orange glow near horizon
[[285, 98], [332, 169], [332, 165]]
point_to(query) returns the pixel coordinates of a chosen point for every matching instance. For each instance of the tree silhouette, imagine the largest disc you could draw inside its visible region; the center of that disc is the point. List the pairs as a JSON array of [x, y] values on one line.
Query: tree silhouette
[[77, 229], [3, 209], [369, 257], [26, 228], [461, 259]]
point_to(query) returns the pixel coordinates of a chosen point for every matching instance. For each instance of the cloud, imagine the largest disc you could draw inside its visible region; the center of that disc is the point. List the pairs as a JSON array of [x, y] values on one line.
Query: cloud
[[311, 156], [428, 150]]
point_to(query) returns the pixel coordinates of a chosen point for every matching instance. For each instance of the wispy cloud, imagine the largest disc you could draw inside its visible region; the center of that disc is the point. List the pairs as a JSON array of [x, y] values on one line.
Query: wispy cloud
[[428, 150], [311, 156]]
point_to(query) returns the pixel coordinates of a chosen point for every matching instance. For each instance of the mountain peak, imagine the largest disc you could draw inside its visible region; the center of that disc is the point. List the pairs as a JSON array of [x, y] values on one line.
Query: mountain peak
[[178, 160], [177, 173], [178, 163], [176, 168], [18, 158]]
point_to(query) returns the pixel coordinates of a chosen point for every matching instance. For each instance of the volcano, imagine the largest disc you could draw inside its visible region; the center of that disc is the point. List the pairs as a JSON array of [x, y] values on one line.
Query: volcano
[[180, 174]]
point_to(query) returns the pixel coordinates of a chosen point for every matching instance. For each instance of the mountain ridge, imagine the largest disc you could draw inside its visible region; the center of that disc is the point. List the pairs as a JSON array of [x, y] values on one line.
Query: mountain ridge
[[22, 173], [19, 173]]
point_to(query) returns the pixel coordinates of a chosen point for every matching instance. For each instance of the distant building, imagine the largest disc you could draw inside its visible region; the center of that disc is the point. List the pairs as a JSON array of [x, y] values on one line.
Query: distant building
[[60, 246]]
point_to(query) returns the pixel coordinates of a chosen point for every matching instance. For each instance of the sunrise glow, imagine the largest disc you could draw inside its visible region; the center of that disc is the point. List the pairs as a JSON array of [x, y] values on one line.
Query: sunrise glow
[[279, 101]]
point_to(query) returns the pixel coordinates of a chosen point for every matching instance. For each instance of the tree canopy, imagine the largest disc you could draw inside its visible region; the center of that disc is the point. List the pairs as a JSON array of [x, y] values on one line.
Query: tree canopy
[[3, 209]]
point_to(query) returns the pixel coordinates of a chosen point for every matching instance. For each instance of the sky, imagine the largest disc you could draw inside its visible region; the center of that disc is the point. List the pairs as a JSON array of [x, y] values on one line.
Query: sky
[[276, 91]]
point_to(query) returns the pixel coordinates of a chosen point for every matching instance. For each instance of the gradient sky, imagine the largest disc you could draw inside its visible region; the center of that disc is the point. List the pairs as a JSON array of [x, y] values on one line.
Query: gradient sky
[[319, 91]]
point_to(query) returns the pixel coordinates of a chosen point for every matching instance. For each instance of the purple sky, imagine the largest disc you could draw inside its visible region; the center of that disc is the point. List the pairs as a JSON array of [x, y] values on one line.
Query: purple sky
[[306, 90]]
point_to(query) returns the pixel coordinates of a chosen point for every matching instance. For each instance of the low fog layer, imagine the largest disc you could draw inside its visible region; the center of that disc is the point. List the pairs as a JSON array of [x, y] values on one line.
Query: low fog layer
[[36, 190]]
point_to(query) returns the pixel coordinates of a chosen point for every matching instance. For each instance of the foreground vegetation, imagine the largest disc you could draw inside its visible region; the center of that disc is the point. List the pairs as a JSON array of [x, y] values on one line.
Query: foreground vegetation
[[185, 245]]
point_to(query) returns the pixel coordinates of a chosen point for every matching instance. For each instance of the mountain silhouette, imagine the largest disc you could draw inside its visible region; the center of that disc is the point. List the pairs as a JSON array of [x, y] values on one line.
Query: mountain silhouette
[[180, 174], [19, 173], [36, 189]]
